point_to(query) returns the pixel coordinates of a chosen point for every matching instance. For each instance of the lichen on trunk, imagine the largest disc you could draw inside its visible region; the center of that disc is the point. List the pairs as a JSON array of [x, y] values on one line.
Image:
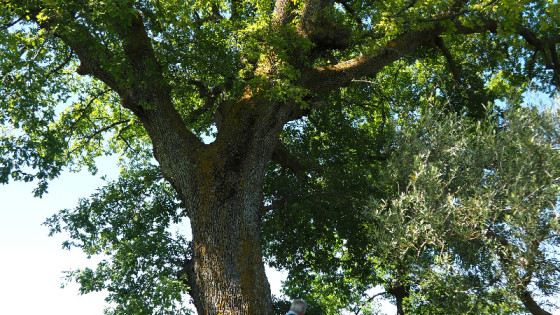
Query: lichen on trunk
[[226, 273]]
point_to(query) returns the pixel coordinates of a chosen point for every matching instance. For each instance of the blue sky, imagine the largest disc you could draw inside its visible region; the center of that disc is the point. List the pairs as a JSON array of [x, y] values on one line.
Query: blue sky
[[32, 264]]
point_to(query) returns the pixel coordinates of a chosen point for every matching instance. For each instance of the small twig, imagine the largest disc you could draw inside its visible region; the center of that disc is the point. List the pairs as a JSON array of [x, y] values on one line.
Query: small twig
[[99, 131], [366, 81], [82, 114], [62, 65], [8, 25]]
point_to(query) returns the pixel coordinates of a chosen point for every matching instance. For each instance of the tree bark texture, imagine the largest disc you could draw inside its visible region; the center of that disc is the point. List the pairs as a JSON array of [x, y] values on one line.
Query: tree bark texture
[[229, 275], [221, 185]]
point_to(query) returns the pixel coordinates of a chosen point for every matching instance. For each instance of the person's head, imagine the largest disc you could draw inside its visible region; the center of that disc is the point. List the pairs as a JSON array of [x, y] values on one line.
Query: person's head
[[298, 306]]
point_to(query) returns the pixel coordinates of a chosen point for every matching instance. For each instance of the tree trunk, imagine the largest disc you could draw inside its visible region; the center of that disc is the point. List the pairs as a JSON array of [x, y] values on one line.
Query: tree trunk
[[222, 189], [507, 260], [228, 275], [220, 184], [400, 293]]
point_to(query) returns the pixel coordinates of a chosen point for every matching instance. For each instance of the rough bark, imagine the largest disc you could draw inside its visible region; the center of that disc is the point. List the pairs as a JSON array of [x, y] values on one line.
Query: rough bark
[[227, 272], [221, 185], [328, 78]]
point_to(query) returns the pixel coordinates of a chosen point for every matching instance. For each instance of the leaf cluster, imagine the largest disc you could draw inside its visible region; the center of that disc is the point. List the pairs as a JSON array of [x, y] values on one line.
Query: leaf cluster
[[129, 223]]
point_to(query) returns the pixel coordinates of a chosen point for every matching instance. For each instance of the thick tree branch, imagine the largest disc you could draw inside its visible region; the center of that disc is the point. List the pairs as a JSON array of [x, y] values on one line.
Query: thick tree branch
[[90, 53], [283, 12], [450, 61], [531, 305], [532, 39], [282, 156], [548, 49], [139, 81], [400, 292], [311, 10], [235, 10], [321, 28], [555, 63], [328, 78], [148, 84], [546, 46]]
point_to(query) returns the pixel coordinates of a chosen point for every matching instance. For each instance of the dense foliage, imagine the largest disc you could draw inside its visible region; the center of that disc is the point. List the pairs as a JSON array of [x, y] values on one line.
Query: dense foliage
[[360, 145], [458, 210]]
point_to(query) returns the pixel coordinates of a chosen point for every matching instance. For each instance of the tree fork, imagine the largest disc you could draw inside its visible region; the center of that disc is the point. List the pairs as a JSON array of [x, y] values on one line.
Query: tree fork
[[226, 272]]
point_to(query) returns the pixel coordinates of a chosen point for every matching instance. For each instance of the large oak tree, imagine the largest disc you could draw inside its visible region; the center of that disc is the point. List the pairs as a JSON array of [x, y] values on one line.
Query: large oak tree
[[166, 73]]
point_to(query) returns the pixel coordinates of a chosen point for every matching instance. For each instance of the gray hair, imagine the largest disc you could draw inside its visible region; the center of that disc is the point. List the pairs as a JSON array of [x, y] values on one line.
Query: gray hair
[[298, 305]]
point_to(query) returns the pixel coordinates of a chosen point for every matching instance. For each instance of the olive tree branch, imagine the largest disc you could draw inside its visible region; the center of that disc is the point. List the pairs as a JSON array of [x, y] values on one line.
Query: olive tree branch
[[507, 259]]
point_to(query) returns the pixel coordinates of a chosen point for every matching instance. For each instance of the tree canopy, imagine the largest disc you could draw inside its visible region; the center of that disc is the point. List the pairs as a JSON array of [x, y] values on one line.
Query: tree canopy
[[357, 144]]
